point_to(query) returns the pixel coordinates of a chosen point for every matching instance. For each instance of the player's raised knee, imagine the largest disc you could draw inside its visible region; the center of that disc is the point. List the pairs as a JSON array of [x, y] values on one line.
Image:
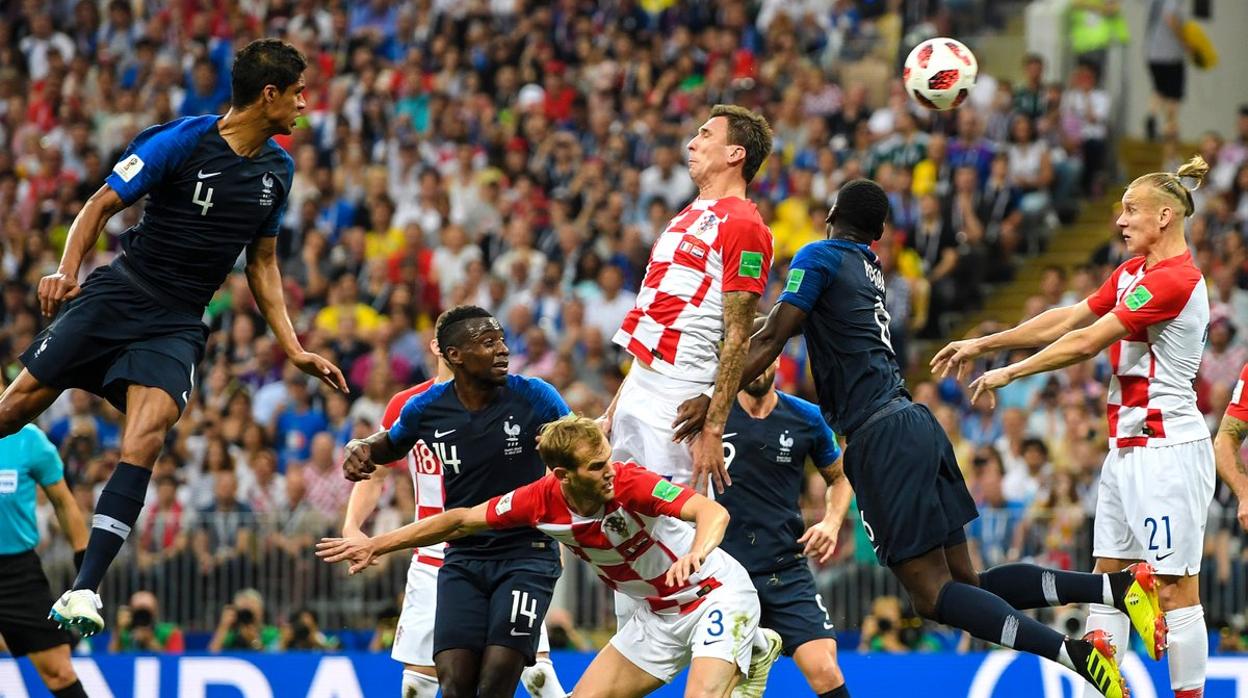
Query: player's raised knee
[[54, 668]]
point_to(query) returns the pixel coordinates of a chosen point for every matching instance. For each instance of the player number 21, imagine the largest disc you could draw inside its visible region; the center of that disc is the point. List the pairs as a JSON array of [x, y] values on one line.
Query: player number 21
[[1151, 523]]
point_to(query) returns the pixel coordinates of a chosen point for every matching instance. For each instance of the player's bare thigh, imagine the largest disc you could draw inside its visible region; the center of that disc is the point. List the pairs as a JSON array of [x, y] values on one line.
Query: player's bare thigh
[[150, 414], [611, 675], [711, 677], [1175, 592], [817, 662], [24, 399]]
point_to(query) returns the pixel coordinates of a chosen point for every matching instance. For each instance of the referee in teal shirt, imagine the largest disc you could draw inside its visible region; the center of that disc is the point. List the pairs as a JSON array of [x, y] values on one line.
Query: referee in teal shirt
[[28, 459]]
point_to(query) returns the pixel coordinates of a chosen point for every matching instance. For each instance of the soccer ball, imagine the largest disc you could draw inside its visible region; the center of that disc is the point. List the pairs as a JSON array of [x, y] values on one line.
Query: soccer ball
[[940, 73]]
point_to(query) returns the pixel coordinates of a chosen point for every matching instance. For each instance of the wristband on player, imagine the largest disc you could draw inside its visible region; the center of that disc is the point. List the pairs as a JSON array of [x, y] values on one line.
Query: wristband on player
[[78, 558]]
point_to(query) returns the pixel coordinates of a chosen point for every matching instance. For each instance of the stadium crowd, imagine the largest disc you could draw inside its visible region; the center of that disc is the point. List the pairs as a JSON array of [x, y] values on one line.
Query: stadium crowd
[[522, 157]]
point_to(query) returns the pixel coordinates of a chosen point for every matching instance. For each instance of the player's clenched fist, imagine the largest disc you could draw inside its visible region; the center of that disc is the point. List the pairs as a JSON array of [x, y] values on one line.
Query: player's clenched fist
[[55, 289], [357, 462]]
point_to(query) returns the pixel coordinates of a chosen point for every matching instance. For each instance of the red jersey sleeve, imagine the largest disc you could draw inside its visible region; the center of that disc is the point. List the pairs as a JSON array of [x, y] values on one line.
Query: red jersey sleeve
[[644, 492], [1239, 399], [747, 255], [1160, 296], [390, 416], [1106, 297], [520, 507]]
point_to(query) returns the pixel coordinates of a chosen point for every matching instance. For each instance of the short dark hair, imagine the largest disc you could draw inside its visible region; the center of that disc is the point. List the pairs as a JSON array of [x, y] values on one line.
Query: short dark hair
[[446, 332], [749, 130], [862, 207], [1032, 442], [264, 62]]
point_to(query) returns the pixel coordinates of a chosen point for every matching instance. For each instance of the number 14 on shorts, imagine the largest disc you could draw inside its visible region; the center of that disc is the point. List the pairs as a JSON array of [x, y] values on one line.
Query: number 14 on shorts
[[522, 606]]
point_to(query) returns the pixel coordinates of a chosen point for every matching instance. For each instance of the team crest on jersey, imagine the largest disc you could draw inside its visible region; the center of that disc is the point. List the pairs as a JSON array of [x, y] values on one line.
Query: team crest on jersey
[[512, 432], [266, 194], [615, 524], [786, 448], [708, 222]]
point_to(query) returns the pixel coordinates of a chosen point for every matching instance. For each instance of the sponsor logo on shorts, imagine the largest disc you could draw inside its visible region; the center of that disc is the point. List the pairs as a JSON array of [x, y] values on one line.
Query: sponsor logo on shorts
[[1162, 557], [128, 168], [665, 491]]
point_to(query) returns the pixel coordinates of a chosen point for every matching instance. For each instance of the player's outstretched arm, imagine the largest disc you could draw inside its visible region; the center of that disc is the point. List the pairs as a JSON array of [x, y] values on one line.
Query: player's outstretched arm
[[820, 539], [784, 321], [62, 285], [363, 501], [265, 279], [1038, 331], [1073, 347], [740, 307], [362, 551], [710, 520], [1231, 469]]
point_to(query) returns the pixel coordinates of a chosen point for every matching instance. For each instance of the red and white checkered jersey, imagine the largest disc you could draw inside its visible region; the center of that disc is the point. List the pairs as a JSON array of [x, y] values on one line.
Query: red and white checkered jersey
[[631, 542], [1152, 395], [1239, 399], [710, 248], [426, 471]]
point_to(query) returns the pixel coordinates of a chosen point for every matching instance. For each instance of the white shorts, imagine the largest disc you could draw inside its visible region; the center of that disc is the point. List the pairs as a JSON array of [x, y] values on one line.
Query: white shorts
[[413, 638], [722, 627], [1152, 505], [641, 428]]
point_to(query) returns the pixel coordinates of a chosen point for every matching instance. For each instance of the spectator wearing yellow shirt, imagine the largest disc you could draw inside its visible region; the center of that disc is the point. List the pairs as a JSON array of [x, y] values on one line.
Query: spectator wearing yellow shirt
[[344, 298], [933, 174], [794, 225], [383, 239]]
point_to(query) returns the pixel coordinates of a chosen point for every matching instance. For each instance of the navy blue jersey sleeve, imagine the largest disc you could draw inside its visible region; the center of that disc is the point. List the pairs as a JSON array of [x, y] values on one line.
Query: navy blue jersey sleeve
[[827, 449], [548, 405], [273, 223], [812, 270], [403, 431], [155, 154]]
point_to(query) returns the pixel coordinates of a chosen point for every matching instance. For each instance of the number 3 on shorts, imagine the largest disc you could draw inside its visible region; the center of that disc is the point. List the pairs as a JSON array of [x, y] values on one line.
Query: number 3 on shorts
[[717, 623]]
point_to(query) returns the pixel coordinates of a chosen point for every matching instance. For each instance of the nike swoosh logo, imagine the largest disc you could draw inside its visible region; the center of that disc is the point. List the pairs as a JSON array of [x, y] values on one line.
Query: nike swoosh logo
[[1162, 557], [728, 436], [440, 434], [710, 642], [516, 634], [202, 175]]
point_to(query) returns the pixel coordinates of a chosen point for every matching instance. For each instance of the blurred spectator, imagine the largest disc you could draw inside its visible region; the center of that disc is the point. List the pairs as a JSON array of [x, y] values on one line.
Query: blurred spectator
[[139, 629], [223, 538], [327, 489], [1164, 50], [303, 633], [242, 627]]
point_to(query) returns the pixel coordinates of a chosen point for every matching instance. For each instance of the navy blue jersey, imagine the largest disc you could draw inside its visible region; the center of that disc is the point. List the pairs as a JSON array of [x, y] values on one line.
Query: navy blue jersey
[[840, 286], [484, 454], [205, 204], [767, 461]]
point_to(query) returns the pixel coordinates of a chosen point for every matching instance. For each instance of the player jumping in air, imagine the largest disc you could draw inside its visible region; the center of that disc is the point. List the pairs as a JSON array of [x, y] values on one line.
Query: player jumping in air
[[1158, 478], [413, 641], [769, 437], [691, 326], [697, 606], [132, 332], [480, 431], [911, 495]]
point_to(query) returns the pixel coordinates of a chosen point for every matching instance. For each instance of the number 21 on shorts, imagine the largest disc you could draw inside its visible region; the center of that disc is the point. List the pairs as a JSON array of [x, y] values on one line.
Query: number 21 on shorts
[[1154, 528]]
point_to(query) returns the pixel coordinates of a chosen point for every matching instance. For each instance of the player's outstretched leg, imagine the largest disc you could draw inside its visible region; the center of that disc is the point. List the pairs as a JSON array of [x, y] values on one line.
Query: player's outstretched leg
[[500, 672], [817, 662], [1132, 591], [540, 679], [1189, 638], [22, 401], [984, 615], [150, 413]]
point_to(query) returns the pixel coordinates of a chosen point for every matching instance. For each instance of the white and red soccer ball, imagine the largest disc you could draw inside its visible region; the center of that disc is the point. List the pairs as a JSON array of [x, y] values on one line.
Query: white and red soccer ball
[[940, 73]]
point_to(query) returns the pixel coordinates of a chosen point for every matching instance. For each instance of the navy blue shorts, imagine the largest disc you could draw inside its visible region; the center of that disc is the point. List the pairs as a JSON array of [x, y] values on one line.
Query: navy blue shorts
[[114, 335], [493, 602], [910, 492], [792, 606]]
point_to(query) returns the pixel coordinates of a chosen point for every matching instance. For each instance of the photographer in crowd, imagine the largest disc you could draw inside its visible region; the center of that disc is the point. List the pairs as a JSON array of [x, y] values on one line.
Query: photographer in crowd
[[139, 628], [242, 626]]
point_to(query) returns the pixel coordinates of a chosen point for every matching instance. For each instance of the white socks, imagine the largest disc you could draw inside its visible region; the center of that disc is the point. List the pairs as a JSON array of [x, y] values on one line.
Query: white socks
[[1189, 651], [417, 685], [1117, 625], [541, 681]]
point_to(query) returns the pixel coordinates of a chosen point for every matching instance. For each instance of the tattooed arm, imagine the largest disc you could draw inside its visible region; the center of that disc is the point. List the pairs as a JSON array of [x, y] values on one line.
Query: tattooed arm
[[1230, 468], [708, 452]]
